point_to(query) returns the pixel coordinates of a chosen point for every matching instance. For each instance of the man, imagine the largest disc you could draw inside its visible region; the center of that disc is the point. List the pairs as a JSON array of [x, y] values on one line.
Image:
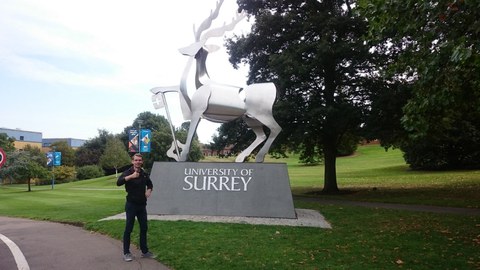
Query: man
[[138, 187]]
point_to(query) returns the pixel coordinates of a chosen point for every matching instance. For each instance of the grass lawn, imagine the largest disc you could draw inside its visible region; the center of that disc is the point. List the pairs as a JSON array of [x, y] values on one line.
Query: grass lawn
[[376, 175], [361, 238]]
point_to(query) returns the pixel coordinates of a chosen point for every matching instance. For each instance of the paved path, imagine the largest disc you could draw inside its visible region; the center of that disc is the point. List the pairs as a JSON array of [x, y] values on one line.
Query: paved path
[[52, 246], [406, 207]]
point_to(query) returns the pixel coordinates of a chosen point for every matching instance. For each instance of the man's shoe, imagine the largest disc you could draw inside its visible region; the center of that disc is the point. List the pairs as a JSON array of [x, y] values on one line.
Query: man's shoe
[[149, 255], [128, 257]]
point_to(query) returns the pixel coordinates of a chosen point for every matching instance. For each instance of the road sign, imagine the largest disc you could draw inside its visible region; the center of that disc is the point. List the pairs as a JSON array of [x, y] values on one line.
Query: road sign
[[3, 157]]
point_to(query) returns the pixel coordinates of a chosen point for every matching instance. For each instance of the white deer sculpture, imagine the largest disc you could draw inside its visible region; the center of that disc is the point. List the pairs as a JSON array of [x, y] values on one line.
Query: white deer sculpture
[[222, 103]]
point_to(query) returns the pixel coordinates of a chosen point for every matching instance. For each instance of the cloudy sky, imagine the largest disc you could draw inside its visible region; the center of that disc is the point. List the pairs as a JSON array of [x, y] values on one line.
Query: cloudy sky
[[69, 68]]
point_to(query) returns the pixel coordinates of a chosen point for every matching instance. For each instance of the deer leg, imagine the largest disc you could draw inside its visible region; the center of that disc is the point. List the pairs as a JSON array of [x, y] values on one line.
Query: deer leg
[[275, 129], [257, 128], [191, 132]]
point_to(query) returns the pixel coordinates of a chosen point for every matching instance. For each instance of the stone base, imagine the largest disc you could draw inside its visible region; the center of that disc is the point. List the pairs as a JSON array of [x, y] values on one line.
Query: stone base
[[221, 189], [305, 218]]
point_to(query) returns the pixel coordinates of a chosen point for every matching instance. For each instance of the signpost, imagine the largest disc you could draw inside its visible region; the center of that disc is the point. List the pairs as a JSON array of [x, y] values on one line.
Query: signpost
[[54, 159]]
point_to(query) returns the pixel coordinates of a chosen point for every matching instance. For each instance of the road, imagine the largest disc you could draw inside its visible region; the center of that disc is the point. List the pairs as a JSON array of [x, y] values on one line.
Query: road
[[48, 245]]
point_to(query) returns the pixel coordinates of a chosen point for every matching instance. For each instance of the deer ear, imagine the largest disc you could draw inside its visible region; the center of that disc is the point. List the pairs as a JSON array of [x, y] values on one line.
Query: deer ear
[[212, 48], [191, 50]]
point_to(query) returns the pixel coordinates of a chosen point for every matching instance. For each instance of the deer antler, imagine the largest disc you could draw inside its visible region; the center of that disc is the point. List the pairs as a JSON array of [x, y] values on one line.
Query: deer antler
[[200, 38], [218, 32], [207, 22]]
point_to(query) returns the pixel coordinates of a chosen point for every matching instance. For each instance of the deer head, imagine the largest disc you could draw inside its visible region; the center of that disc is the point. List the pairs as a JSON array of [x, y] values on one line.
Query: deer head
[[201, 37]]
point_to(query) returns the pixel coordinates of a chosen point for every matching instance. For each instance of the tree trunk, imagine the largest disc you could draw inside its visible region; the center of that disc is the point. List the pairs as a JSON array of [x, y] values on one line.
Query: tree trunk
[[330, 182], [330, 132], [29, 180]]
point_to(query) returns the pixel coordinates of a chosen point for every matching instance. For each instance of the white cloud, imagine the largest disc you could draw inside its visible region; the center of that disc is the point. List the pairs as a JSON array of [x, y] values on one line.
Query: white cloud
[[107, 49]]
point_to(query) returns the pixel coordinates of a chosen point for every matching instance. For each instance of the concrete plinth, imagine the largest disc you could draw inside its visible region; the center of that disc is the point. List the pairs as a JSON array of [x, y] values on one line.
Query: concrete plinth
[[221, 189]]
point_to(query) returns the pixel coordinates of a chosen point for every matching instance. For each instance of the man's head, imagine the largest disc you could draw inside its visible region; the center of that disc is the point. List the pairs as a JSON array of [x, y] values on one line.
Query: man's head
[[137, 161]]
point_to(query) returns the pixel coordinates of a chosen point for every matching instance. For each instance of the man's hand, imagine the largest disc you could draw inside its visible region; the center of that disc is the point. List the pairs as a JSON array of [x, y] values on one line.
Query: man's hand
[[132, 176], [148, 193]]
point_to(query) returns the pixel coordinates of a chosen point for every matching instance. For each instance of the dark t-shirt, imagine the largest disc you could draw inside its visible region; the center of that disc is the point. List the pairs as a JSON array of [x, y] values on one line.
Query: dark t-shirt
[[136, 187]]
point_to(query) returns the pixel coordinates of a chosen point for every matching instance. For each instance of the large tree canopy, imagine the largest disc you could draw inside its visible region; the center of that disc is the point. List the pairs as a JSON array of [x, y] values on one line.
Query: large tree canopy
[[161, 138], [435, 47], [314, 52], [90, 152]]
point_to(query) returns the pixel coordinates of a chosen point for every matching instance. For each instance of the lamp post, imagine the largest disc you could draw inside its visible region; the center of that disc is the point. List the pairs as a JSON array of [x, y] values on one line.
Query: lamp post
[[140, 122], [53, 168]]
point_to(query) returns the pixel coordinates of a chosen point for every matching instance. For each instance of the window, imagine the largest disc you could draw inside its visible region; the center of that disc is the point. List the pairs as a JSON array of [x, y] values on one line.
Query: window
[[22, 138]]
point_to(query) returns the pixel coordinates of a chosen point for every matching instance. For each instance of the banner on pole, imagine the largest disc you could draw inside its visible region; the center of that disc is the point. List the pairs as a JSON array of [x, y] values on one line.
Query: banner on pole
[[133, 141], [57, 158], [49, 159], [145, 141], [54, 159]]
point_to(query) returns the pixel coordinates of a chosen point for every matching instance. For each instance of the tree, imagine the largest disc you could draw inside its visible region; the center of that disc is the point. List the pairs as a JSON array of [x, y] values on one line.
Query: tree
[[315, 54], [432, 49], [115, 155], [25, 165], [7, 143], [90, 152], [146, 120], [161, 142], [161, 139], [234, 133], [195, 153], [159, 127]]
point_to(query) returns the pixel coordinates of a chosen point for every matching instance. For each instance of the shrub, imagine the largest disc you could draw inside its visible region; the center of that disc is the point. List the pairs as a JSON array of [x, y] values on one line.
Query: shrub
[[64, 174], [348, 145], [431, 154], [89, 172]]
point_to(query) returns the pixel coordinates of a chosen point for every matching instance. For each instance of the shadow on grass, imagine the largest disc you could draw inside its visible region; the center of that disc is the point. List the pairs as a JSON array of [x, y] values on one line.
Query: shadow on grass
[[451, 196], [25, 189]]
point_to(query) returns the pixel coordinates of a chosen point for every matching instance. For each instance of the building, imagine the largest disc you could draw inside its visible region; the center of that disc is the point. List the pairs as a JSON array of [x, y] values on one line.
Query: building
[[225, 152], [74, 143], [35, 139], [23, 137]]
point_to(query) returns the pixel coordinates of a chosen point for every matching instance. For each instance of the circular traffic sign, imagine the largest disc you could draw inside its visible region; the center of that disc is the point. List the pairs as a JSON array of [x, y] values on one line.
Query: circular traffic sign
[[3, 157]]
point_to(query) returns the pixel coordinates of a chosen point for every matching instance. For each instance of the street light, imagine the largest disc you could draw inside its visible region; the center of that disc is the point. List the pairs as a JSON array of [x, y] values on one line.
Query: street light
[[53, 167]]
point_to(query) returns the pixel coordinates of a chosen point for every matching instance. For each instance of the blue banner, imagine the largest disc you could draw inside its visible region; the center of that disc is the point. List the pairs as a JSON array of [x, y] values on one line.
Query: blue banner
[[145, 141], [57, 158]]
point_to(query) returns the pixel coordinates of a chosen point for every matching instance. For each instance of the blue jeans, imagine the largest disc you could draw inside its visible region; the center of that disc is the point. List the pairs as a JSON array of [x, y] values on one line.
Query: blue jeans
[[133, 210]]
